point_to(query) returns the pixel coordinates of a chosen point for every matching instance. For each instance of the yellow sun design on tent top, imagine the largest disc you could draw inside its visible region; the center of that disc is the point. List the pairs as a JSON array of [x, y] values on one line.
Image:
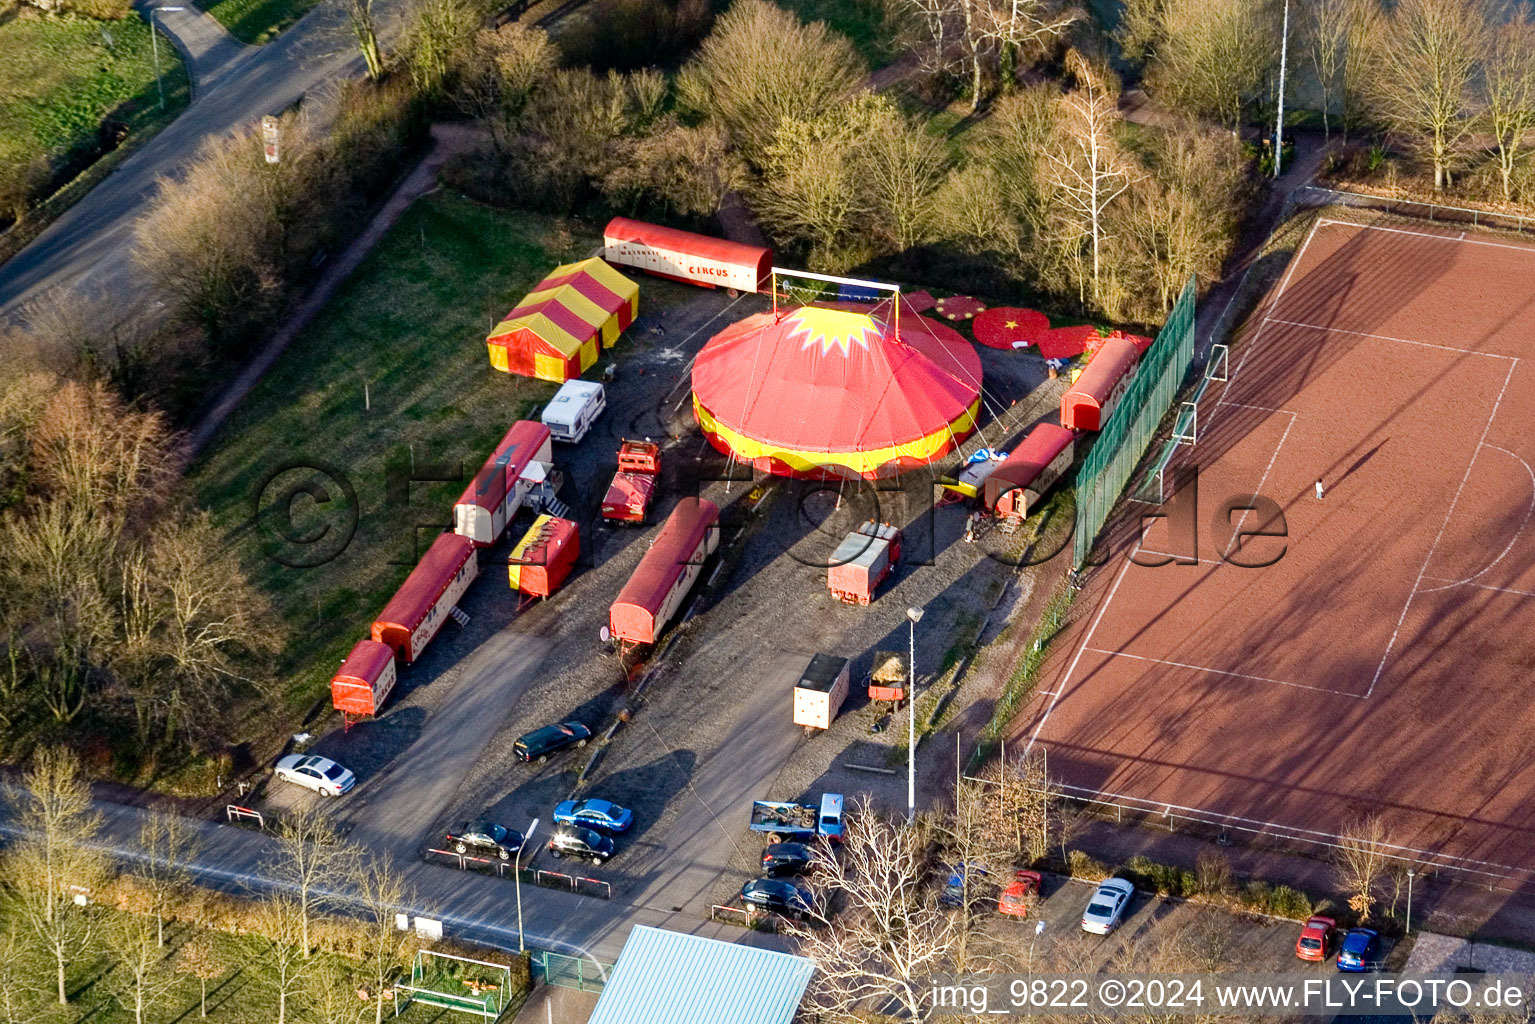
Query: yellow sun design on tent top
[[833, 328]]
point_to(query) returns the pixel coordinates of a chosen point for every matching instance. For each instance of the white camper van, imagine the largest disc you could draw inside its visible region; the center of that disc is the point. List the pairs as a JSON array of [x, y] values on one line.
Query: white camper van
[[573, 409]]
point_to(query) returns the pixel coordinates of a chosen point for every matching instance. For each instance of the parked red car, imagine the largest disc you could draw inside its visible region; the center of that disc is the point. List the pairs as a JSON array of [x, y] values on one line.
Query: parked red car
[[1316, 937], [1014, 900]]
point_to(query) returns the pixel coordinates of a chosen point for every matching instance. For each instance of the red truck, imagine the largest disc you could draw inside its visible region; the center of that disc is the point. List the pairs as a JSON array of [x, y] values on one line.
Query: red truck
[[639, 468], [862, 561]]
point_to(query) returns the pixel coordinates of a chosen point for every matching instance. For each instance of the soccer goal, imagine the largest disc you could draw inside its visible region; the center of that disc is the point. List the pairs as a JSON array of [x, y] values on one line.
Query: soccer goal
[[1216, 368], [456, 983]]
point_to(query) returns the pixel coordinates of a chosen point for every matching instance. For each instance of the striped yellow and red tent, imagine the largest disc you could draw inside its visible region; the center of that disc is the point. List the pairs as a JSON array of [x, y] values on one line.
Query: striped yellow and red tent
[[557, 330], [835, 393]]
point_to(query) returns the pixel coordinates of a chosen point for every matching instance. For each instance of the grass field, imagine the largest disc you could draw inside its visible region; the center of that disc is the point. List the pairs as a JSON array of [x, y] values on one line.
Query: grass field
[[862, 21], [410, 325], [62, 77], [257, 21]]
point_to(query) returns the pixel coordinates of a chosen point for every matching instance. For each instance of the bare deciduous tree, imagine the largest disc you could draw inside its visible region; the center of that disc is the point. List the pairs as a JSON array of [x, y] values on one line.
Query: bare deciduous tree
[[281, 938], [53, 860], [168, 846], [381, 894], [1324, 28], [20, 989], [904, 168], [141, 978], [1363, 856], [890, 935], [1508, 90], [311, 860], [1213, 58], [200, 958], [760, 66], [1084, 164], [1425, 67], [689, 168], [364, 25]]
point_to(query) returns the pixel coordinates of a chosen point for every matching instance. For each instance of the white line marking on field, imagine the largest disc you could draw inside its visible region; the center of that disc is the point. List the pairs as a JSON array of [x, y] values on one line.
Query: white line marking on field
[[1442, 526], [1226, 672], [1387, 337], [1529, 509], [1258, 332], [1429, 234], [1072, 668]]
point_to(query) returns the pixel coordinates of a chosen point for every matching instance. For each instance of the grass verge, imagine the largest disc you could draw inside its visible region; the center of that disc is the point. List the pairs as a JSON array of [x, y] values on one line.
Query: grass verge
[[69, 87], [257, 21], [391, 378]]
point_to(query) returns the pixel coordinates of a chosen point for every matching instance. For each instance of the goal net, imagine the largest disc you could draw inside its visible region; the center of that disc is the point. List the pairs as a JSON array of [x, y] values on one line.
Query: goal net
[[458, 983]]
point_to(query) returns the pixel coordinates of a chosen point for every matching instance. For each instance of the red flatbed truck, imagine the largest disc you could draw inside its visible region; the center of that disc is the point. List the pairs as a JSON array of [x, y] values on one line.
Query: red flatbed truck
[[862, 561], [639, 471]]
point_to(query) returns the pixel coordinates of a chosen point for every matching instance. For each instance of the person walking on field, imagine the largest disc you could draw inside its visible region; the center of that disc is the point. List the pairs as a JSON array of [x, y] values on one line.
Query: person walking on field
[[1319, 490]]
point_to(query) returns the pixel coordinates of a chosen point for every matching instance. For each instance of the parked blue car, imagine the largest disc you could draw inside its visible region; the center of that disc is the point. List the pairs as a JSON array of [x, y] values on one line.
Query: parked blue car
[[1360, 951], [953, 894], [594, 814]]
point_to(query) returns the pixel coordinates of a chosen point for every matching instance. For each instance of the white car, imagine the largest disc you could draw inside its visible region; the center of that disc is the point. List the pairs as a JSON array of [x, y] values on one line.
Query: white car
[[320, 774], [1107, 907]]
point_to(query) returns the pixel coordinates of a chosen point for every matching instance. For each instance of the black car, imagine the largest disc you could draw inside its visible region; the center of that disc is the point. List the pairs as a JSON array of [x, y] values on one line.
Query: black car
[[486, 837], [786, 859], [540, 743], [778, 896], [583, 843]]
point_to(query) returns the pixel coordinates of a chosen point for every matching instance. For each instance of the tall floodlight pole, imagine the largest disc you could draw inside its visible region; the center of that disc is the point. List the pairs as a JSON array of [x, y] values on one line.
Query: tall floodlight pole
[[1284, 56], [1410, 873], [517, 882], [914, 615], [154, 47]]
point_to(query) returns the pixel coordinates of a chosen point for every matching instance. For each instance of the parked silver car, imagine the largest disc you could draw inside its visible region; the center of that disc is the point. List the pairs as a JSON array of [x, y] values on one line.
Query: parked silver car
[[320, 774], [1107, 907]]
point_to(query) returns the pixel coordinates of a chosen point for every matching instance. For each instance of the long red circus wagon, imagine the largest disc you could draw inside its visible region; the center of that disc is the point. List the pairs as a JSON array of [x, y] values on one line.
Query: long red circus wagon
[[667, 572], [1030, 469], [1087, 404], [685, 256], [497, 491], [421, 605]]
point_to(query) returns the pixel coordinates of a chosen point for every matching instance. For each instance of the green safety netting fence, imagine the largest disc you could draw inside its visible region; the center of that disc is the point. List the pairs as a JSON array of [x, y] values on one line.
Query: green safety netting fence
[[1133, 423]]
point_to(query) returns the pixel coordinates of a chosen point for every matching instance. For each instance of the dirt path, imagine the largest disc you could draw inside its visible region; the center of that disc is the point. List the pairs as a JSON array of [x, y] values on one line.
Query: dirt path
[[447, 139]]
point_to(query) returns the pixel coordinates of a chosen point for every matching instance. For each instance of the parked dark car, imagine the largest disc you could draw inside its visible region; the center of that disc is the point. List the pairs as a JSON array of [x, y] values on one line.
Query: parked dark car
[[582, 843], [786, 859], [778, 896], [481, 836], [540, 743], [1360, 951], [955, 889]]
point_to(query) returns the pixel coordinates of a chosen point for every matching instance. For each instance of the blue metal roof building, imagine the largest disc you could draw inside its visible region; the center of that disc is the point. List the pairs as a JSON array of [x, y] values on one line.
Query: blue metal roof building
[[665, 977]]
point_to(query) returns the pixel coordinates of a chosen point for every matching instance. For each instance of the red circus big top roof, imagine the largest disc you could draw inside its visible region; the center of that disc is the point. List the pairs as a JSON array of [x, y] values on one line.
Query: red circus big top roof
[[837, 380]]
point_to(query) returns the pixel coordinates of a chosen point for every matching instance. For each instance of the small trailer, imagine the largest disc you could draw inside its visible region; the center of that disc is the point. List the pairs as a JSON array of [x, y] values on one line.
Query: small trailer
[[490, 502], [1034, 466], [540, 561], [428, 596], [362, 684], [685, 256], [639, 471], [665, 575], [820, 691], [573, 410], [788, 822], [862, 561], [888, 678]]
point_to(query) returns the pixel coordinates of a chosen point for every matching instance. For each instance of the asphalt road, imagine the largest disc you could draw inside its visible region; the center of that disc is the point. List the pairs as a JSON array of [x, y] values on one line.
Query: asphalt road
[[87, 252]]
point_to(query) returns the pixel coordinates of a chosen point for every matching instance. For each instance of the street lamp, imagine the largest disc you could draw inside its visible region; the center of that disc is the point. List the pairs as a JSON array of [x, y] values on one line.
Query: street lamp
[[154, 46], [517, 882], [915, 615], [1410, 873]]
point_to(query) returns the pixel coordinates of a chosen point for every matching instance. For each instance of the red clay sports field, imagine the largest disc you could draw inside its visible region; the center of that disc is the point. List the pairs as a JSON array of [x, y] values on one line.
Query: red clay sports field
[[1386, 662]]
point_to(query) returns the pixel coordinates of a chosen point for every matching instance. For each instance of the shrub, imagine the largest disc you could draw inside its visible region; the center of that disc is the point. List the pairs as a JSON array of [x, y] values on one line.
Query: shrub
[[624, 35], [1081, 865], [22, 183], [1213, 872]]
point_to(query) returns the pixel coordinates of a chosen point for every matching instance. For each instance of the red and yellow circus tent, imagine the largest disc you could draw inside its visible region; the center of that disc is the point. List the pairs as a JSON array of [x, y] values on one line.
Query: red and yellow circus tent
[[834, 393], [558, 329]]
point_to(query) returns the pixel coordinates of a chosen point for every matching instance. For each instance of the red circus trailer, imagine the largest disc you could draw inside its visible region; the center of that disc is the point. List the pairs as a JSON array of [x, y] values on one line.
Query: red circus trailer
[[421, 605], [544, 557], [363, 683], [1086, 405], [666, 573], [685, 256], [497, 491], [1032, 468]]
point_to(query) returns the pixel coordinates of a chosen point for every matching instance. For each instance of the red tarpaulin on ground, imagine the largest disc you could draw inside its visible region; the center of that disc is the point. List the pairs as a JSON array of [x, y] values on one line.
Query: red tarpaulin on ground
[[831, 392]]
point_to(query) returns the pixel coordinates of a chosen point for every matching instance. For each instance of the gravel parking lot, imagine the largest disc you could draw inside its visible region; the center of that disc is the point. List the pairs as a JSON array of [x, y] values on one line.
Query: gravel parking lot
[[712, 728]]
